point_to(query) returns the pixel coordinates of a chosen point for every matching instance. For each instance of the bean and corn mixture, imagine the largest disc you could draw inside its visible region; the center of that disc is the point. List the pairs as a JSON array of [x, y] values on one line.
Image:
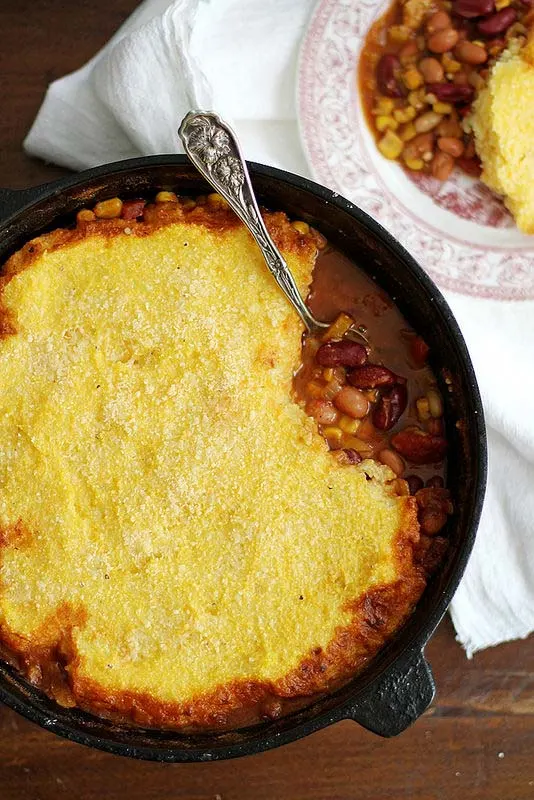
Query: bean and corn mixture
[[420, 68], [365, 381]]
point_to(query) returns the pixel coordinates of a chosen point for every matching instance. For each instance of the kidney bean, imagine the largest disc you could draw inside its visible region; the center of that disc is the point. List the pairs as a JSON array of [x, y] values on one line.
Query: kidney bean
[[435, 482], [345, 353], [372, 375], [442, 165], [418, 446], [352, 402], [497, 23], [471, 166], [469, 9], [131, 209], [470, 53], [352, 456], [431, 70], [390, 407], [322, 411], [454, 147], [438, 22], [386, 76], [442, 41], [392, 460], [414, 482], [451, 93]]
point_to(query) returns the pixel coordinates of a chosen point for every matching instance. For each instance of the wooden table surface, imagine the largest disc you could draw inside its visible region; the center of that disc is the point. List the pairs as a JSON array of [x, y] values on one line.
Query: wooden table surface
[[477, 741]]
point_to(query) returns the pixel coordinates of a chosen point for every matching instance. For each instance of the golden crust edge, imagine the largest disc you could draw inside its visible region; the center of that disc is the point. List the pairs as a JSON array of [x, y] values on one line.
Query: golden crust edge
[[51, 662]]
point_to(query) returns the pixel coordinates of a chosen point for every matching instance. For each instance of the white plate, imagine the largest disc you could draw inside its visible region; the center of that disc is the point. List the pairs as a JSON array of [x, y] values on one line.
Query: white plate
[[457, 230]]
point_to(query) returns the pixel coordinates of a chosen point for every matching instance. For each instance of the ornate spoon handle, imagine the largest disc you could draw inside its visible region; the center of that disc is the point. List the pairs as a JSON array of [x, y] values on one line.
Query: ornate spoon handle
[[213, 148]]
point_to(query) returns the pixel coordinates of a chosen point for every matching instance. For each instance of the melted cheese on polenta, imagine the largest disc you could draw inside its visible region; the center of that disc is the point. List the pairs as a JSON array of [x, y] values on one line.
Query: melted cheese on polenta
[[167, 484]]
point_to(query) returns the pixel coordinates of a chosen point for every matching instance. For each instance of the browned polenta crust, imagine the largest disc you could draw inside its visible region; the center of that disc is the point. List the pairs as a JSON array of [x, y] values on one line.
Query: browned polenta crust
[[155, 216], [50, 660]]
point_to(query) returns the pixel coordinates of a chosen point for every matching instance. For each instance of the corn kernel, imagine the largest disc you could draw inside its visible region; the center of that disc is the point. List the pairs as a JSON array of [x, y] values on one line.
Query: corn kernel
[[500, 4], [423, 409], [349, 425], [405, 114], [108, 209], [166, 197], [215, 200], [412, 78], [414, 163], [416, 98], [442, 108], [495, 50], [359, 445], [390, 145], [188, 204], [314, 389], [407, 132], [85, 215], [328, 374], [399, 33], [386, 123], [340, 326], [333, 434], [450, 64], [385, 105], [447, 5], [301, 227], [435, 403]]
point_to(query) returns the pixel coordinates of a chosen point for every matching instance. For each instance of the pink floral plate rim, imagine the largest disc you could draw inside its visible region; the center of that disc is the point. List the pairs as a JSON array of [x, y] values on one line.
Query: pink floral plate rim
[[498, 265]]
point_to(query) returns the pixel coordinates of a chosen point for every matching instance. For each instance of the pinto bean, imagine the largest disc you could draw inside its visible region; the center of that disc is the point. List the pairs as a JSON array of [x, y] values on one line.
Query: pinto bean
[[431, 70], [443, 40]]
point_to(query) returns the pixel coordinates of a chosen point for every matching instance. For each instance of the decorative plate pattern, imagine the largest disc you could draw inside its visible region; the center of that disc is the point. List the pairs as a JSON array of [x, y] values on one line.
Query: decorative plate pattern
[[459, 232]]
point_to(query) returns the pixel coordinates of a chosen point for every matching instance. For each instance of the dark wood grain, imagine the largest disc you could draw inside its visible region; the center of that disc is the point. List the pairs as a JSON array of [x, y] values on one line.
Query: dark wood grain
[[477, 741]]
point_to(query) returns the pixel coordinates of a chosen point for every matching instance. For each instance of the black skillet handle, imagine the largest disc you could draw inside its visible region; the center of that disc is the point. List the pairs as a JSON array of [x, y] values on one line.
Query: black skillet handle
[[397, 699]]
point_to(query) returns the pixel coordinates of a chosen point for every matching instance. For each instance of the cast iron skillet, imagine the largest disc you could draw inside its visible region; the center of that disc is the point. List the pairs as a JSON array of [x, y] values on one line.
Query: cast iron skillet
[[397, 686]]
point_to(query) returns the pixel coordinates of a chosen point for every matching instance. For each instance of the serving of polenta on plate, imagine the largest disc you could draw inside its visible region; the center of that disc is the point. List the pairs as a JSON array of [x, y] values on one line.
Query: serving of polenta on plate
[[425, 122]]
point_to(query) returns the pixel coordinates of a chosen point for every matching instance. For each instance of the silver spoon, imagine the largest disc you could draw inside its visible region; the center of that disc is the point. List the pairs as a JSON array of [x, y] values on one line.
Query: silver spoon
[[213, 148]]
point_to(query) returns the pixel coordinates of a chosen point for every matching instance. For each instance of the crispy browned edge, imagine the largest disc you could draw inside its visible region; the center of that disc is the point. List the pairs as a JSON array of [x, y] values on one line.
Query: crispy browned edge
[[49, 658]]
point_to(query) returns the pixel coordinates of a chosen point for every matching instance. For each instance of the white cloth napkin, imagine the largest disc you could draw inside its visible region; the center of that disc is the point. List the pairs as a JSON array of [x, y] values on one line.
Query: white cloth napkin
[[239, 58]]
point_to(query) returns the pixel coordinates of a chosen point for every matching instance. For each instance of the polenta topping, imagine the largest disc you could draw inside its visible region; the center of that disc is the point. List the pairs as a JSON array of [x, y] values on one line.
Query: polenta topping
[[179, 547]]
